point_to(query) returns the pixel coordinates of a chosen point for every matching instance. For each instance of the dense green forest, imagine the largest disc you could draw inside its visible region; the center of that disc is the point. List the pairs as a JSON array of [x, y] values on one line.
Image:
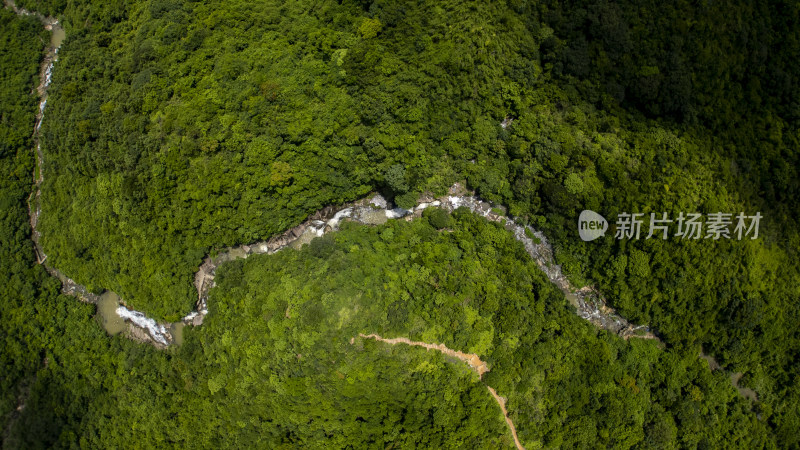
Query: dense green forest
[[473, 287], [43, 335], [174, 128], [21, 42], [275, 366]]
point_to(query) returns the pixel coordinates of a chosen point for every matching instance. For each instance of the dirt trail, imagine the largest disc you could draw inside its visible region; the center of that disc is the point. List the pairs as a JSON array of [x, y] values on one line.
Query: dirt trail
[[502, 402], [474, 361]]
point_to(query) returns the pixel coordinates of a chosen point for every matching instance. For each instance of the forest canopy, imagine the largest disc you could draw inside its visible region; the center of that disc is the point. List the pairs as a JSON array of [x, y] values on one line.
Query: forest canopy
[[174, 129]]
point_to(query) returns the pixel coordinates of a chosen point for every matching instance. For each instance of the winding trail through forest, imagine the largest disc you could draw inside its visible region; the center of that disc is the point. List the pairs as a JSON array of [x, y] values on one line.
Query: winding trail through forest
[[474, 361]]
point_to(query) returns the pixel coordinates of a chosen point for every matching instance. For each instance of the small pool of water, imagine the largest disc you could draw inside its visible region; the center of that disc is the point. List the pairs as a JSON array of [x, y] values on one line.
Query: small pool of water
[[107, 313], [57, 36], [176, 330], [572, 298]]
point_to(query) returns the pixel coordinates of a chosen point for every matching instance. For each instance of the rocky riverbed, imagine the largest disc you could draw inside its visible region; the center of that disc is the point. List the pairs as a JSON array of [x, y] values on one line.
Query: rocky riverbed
[[375, 210]]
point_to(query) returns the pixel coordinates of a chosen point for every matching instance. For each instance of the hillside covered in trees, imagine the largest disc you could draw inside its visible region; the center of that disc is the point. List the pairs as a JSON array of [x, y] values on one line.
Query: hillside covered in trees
[[174, 129]]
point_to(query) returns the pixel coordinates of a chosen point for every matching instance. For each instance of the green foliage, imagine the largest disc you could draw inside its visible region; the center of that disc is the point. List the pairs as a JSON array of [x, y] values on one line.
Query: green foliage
[[639, 264], [395, 178], [574, 184], [407, 200], [438, 218], [45, 384], [567, 384], [21, 44], [176, 128], [369, 28], [24, 286]]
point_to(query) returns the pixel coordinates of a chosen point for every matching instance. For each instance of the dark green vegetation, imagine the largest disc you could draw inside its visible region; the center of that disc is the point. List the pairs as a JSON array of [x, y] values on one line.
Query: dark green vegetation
[[183, 127], [273, 364], [474, 289], [21, 42], [44, 338], [65, 383]]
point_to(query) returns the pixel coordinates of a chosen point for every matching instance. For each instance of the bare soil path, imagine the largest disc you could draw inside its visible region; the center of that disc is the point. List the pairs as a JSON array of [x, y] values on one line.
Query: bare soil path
[[474, 361]]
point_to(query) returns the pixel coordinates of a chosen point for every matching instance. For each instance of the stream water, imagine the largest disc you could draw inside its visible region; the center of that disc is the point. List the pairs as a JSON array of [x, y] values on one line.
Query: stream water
[[375, 210], [107, 313], [57, 37]]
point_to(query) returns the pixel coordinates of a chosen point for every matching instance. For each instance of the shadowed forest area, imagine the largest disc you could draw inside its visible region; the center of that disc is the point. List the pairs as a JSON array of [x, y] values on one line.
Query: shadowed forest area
[[173, 129]]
